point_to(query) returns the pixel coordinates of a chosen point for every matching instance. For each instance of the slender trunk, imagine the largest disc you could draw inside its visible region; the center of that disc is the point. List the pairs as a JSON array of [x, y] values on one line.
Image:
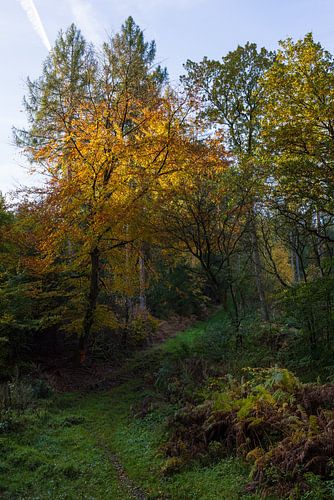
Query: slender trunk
[[312, 332], [319, 247], [144, 257], [318, 226], [258, 271], [328, 320], [219, 294], [297, 267], [128, 299], [91, 303], [236, 318], [69, 179], [142, 283], [235, 314], [294, 262]]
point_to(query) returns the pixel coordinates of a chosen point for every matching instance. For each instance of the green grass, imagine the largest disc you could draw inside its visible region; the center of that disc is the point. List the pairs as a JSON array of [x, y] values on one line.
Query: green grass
[[64, 454], [62, 450], [189, 336], [56, 458], [137, 442]]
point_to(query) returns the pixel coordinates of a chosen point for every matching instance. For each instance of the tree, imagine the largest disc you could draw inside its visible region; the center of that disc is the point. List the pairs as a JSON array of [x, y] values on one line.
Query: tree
[[52, 100], [298, 134], [128, 66], [232, 94], [87, 117], [203, 216], [297, 146], [129, 73], [102, 203], [232, 97]]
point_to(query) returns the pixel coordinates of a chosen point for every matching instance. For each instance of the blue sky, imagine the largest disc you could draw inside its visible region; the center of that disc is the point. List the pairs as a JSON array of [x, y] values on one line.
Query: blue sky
[[182, 29]]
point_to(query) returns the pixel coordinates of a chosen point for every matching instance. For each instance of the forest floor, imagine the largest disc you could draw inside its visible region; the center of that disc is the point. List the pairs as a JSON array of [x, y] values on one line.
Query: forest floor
[[101, 444], [65, 376], [105, 440]]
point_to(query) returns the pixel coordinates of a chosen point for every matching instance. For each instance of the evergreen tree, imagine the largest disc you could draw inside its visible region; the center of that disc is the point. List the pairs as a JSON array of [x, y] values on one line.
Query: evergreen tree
[[129, 65], [52, 99]]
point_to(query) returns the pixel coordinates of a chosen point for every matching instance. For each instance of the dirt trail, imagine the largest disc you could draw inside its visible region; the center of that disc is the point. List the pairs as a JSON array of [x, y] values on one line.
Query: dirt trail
[[127, 484], [93, 377], [64, 376]]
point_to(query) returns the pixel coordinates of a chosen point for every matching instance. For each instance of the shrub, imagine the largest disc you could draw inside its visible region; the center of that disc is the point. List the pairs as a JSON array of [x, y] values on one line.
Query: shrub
[[284, 427], [15, 395], [41, 389], [180, 378], [311, 305], [142, 328], [214, 343]]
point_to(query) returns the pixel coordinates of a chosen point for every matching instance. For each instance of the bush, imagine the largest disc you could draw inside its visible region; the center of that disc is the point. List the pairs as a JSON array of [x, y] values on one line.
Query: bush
[[214, 343], [180, 380], [311, 306], [16, 395], [142, 328], [182, 373], [41, 389], [284, 427], [176, 290]]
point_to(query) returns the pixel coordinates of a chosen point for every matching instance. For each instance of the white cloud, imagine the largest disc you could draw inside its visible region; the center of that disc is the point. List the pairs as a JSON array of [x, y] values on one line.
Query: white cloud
[[33, 16], [86, 20]]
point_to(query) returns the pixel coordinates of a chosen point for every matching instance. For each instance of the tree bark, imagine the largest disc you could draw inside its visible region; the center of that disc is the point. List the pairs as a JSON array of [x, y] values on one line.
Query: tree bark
[[142, 264], [142, 284], [258, 270]]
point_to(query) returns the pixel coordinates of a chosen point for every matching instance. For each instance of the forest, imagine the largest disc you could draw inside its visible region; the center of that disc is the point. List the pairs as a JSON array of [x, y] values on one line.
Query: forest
[[167, 289]]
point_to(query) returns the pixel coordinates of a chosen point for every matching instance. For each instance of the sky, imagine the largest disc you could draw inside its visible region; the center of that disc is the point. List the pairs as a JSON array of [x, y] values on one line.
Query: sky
[[182, 29]]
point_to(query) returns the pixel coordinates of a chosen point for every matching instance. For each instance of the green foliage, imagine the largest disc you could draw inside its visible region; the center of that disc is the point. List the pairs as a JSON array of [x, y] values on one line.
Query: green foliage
[[270, 418], [173, 289], [142, 328], [317, 489], [215, 342], [41, 389], [311, 305], [231, 92], [297, 125], [16, 395]]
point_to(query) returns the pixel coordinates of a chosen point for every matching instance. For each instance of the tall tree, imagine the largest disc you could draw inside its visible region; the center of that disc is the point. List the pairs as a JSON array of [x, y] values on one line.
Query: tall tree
[[204, 217], [129, 66], [131, 75], [298, 134], [115, 142], [232, 98], [53, 99]]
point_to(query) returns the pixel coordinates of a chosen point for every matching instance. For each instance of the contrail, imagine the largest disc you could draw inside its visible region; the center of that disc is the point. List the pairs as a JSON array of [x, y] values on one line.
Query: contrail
[[33, 16]]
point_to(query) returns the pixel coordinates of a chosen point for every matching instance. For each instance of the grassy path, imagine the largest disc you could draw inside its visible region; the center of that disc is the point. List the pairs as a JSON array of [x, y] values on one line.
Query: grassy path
[[89, 446]]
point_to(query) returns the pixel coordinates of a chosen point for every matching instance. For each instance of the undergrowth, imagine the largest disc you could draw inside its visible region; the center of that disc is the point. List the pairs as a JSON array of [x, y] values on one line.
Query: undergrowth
[[284, 428]]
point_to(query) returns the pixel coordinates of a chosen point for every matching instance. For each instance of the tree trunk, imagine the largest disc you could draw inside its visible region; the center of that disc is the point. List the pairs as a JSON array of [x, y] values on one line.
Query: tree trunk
[[91, 303], [142, 283], [295, 262], [142, 263], [258, 270]]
